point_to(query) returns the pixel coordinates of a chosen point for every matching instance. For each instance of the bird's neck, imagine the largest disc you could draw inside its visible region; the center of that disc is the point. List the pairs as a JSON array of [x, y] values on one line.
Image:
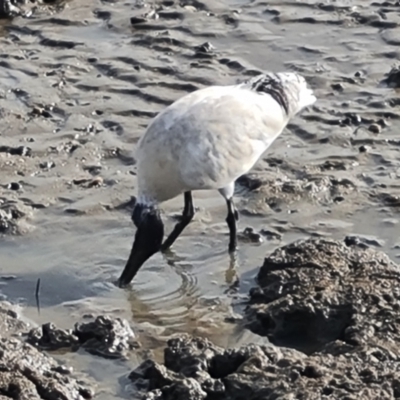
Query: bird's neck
[[146, 200]]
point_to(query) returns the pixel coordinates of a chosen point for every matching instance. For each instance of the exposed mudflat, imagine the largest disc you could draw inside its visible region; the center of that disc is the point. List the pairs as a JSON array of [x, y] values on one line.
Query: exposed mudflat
[[79, 82]]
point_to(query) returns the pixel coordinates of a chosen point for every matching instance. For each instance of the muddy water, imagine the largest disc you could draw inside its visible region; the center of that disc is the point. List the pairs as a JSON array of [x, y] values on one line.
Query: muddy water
[[79, 87]]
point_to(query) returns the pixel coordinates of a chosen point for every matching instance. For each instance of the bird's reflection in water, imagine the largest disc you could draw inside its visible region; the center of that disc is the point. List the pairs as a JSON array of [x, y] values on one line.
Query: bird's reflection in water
[[231, 274], [185, 308]]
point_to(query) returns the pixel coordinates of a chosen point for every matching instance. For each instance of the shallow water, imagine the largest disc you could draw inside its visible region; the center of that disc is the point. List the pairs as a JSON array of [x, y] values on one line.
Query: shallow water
[[106, 80]]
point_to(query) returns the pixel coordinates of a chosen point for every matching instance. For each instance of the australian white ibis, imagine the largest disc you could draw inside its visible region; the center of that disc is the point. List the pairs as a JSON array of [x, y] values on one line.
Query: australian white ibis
[[206, 140]]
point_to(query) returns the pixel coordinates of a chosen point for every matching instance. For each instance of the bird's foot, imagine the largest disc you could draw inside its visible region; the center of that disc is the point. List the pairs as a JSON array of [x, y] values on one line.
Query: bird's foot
[[165, 248]]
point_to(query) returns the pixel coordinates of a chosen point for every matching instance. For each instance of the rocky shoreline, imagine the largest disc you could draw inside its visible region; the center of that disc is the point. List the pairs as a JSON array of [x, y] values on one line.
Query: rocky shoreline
[[329, 309], [332, 307]]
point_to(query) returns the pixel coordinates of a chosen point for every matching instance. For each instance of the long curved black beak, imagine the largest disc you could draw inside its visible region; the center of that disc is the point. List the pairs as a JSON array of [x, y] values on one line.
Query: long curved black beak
[[148, 240]]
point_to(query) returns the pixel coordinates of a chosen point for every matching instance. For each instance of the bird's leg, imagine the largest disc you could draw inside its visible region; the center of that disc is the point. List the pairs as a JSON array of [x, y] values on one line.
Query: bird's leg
[[187, 216], [235, 212], [233, 215], [231, 219]]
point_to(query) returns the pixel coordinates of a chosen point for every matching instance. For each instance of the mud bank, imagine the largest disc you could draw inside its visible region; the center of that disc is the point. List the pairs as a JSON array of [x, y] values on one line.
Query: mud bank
[[330, 310], [28, 374]]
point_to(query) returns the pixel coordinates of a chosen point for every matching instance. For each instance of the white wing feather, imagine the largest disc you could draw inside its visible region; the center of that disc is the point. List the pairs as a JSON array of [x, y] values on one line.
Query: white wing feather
[[210, 137]]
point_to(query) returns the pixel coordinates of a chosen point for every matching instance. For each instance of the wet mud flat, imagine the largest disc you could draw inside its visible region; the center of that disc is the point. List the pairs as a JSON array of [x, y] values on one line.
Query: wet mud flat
[[79, 84]]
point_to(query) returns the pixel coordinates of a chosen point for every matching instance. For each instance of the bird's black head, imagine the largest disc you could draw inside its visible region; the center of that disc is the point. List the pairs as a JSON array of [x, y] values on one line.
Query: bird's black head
[[148, 240]]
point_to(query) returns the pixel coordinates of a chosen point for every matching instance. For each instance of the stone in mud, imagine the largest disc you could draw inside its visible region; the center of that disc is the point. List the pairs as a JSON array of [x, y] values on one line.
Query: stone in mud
[[105, 336], [27, 374], [249, 235], [249, 182], [14, 186], [5, 221], [12, 217], [205, 50], [13, 8], [392, 78], [16, 151], [138, 20], [375, 128], [313, 293], [8, 8], [49, 337]]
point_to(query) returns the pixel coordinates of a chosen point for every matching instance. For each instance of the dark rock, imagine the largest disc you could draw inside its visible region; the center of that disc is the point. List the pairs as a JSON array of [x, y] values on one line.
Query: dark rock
[[89, 183], [250, 236], [271, 235], [16, 151], [138, 20], [14, 186], [351, 119], [315, 292], [105, 336], [338, 199], [363, 242], [93, 169], [5, 221], [49, 337], [375, 128], [8, 8], [47, 164], [382, 123], [12, 215], [393, 78], [267, 373], [249, 182], [101, 14], [364, 149], [333, 165], [205, 50], [25, 373], [206, 47], [337, 86], [96, 182]]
